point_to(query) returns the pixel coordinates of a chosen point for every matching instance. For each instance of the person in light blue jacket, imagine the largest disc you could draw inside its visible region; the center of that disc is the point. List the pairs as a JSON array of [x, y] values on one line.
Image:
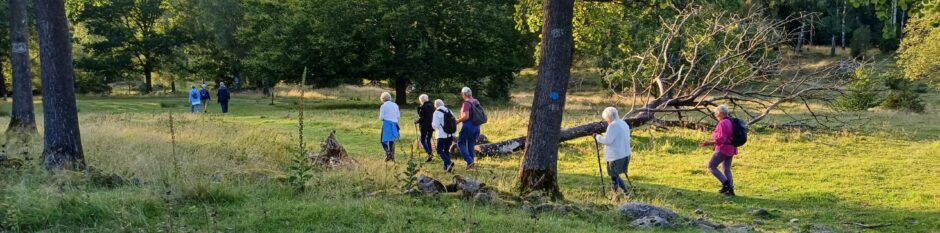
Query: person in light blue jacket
[[194, 101], [389, 114], [616, 148]]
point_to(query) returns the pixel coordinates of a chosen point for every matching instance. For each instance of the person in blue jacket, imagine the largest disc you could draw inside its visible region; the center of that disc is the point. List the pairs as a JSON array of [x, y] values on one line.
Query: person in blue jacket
[[194, 102], [389, 114], [204, 97], [223, 97]]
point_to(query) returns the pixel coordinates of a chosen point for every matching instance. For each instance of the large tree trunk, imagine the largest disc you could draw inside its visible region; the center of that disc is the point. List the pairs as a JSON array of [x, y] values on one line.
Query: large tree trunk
[[23, 118], [3, 83], [401, 91], [148, 76], [844, 5], [63, 144], [539, 171]]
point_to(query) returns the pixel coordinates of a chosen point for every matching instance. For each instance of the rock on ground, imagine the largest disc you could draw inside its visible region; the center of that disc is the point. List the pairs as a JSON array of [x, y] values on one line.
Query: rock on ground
[[651, 222], [637, 210]]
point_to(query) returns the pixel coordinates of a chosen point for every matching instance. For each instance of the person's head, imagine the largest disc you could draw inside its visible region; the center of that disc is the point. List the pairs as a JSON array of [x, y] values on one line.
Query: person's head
[[194, 86], [422, 99], [438, 103], [203, 86], [721, 112], [610, 114], [386, 97], [466, 93], [222, 84]]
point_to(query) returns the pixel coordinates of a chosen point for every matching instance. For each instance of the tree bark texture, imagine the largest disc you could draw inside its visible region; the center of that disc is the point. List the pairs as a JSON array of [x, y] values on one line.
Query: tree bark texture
[[539, 165], [401, 91], [63, 145], [22, 119]]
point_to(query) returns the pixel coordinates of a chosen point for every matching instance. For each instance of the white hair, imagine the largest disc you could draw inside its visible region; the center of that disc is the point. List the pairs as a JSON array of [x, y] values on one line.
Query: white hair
[[222, 84], [438, 103], [203, 85], [610, 114], [722, 109], [466, 91], [386, 97], [423, 98]]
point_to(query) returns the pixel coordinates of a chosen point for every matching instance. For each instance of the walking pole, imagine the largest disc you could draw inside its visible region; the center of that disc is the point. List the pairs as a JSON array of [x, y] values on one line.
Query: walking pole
[[600, 171]]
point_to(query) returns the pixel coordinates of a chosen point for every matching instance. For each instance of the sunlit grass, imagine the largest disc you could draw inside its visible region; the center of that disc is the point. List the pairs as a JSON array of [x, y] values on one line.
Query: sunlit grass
[[231, 167]]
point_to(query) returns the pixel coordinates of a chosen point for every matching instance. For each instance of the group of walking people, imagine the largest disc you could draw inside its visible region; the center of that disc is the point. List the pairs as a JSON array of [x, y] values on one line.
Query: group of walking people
[[617, 149], [436, 121], [199, 99]]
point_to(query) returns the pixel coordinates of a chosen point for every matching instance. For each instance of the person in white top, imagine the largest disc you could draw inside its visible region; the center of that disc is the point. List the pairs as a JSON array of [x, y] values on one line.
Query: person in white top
[[616, 148], [444, 139], [389, 114]]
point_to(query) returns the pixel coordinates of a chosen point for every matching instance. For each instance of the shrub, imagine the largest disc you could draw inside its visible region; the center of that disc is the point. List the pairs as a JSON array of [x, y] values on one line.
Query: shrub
[[904, 100], [861, 41], [860, 96]]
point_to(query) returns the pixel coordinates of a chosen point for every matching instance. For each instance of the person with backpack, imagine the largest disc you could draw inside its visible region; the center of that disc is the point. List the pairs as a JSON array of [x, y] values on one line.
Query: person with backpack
[[425, 113], [204, 97], [472, 117], [446, 125], [616, 149], [194, 101], [224, 97], [723, 140], [389, 114]]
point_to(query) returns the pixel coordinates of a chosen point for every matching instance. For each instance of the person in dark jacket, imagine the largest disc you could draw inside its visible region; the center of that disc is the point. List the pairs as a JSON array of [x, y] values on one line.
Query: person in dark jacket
[[425, 116], [223, 96], [204, 96]]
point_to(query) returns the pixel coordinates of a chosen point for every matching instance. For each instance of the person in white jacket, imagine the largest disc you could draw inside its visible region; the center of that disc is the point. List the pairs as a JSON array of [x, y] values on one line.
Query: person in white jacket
[[616, 148], [444, 139]]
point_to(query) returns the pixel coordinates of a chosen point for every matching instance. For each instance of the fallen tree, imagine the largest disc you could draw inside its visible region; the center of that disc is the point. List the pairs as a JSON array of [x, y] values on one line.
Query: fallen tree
[[706, 58]]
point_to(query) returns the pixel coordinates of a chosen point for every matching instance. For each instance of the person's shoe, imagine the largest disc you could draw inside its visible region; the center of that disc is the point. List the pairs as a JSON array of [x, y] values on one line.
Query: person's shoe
[[449, 168], [724, 188], [472, 167], [730, 192], [429, 159], [389, 157]]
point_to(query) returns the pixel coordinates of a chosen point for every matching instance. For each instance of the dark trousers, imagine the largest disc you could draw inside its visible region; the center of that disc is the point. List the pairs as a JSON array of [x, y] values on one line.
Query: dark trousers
[[425, 139], [224, 105], [443, 150], [614, 169]]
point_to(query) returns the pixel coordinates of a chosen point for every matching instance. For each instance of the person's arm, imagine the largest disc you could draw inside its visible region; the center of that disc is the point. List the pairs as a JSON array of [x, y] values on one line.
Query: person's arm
[[724, 132], [611, 135], [382, 112], [464, 113], [437, 120]]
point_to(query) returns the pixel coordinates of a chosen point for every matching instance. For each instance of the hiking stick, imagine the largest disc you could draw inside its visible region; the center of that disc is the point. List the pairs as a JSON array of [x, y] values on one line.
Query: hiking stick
[[600, 171]]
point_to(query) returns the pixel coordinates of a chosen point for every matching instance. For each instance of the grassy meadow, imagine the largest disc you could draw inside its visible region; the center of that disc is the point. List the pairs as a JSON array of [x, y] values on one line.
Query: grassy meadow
[[227, 173]]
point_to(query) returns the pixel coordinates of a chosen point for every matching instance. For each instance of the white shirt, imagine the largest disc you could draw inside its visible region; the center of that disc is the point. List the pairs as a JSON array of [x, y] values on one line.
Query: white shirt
[[617, 141], [389, 112], [437, 122]]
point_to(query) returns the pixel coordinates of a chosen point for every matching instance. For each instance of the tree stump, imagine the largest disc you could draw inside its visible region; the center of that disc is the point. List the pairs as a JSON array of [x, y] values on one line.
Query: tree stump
[[332, 154]]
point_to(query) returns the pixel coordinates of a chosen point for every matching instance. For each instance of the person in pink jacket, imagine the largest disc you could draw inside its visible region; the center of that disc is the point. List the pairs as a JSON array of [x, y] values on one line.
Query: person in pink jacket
[[724, 150]]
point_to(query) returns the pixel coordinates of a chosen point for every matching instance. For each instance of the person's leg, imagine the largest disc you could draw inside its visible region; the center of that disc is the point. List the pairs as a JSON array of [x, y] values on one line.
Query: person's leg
[[462, 144], [198, 108], [426, 141], [614, 169], [471, 146], [726, 165], [192, 108], [443, 146], [717, 158], [224, 105]]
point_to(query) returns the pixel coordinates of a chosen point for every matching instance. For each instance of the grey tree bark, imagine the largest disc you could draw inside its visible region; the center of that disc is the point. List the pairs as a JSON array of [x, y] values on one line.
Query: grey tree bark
[[22, 118], [540, 163], [63, 144]]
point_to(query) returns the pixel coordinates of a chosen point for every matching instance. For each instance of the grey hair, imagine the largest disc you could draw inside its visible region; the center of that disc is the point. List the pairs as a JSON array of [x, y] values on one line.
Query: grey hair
[[466, 91], [222, 84], [722, 109], [423, 99], [203, 85], [386, 96], [438, 103], [610, 114]]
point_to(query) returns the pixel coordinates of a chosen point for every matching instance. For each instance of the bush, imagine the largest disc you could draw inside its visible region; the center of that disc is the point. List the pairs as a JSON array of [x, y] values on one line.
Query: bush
[[861, 95], [903, 94], [91, 85], [861, 41]]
